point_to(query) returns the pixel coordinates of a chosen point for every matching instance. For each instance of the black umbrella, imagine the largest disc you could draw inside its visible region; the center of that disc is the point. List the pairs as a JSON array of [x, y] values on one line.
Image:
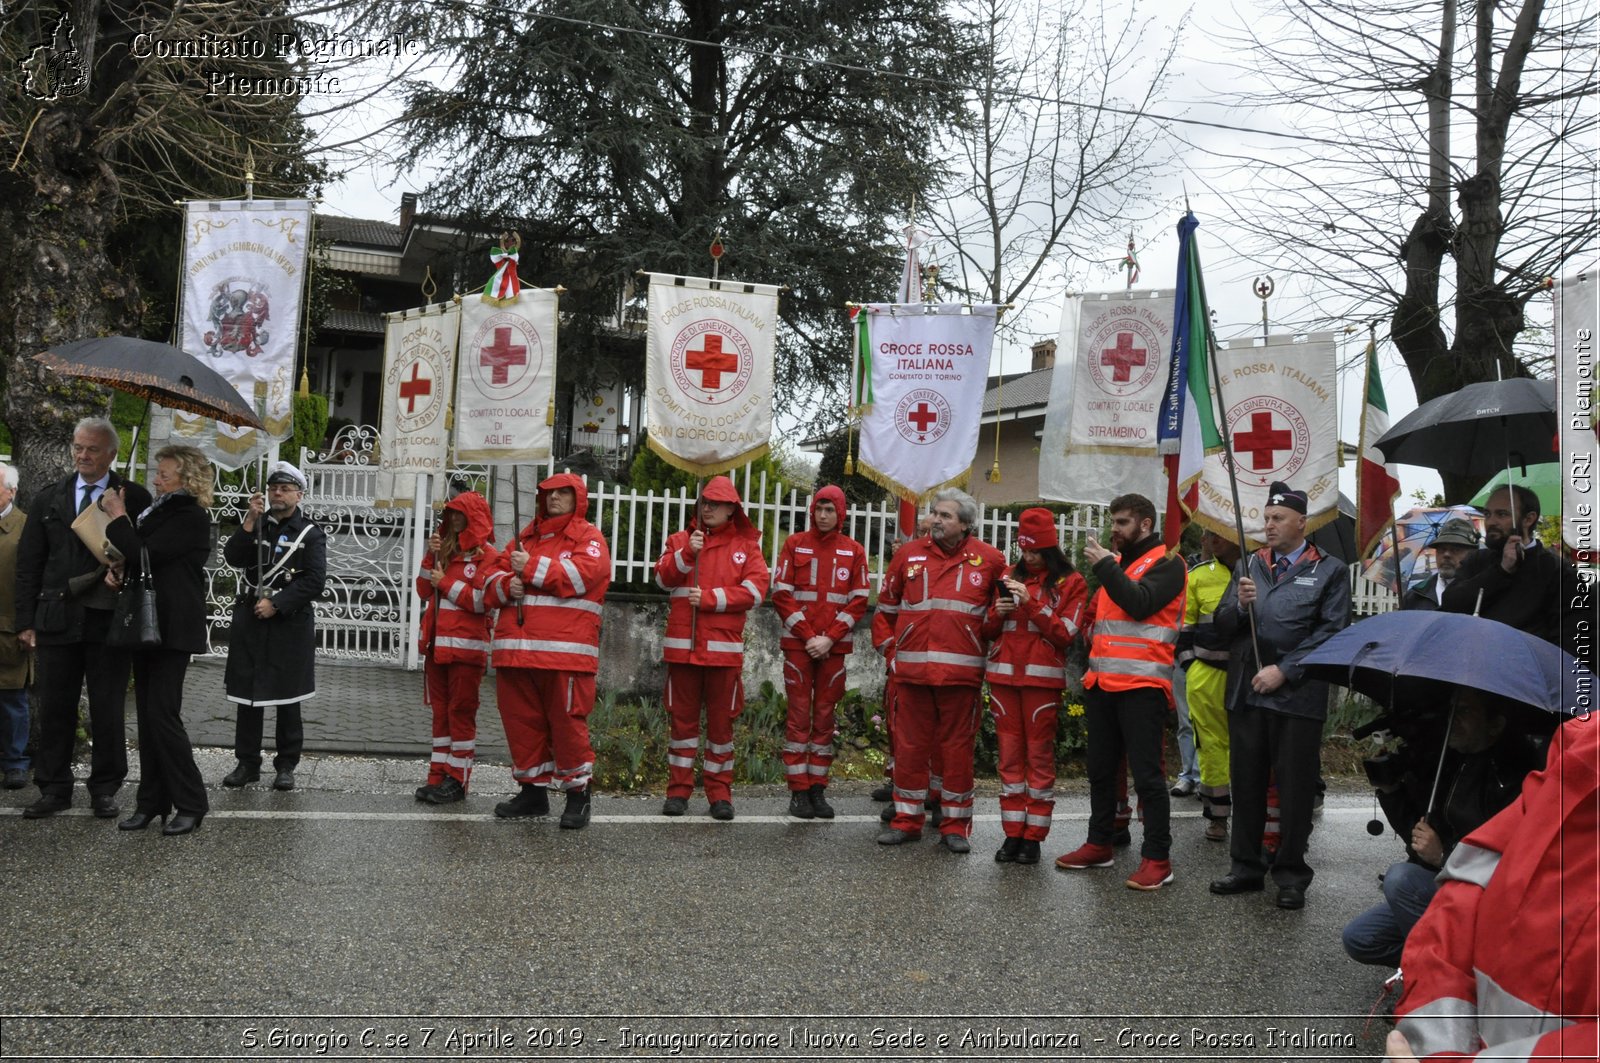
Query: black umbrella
[[1337, 538], [1478, 430], [156, 372]]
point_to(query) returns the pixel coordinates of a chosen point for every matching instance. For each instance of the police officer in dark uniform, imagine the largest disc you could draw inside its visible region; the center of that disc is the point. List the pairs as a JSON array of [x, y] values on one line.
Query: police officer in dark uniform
[[284, 561]]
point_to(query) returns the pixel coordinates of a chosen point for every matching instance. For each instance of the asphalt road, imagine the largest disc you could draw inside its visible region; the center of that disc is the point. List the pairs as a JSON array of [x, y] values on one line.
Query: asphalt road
[[344, 920]]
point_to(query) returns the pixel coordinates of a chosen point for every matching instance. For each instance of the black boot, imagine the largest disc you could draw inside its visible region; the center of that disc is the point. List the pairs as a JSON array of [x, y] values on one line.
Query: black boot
[[532, 801], [576, 815], [1029, 853], [1007, 853], [819, 802], [800, 805]]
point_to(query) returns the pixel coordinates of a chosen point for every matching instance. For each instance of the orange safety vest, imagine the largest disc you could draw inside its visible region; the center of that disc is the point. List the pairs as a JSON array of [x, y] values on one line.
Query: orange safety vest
[[1126, 654]]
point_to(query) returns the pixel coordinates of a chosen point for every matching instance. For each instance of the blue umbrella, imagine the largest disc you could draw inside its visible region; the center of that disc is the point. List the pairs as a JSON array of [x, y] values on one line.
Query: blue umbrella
[[1454, 648]]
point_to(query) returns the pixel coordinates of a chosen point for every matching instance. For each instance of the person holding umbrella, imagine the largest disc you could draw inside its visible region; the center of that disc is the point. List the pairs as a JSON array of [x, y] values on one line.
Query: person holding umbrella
[[64, 612], [1456, 542], [283, 561]]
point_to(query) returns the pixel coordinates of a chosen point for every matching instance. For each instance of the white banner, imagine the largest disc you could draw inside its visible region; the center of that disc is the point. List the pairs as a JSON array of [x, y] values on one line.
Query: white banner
[[505, 379], [1283, 425], [1576, 325], [1110, 373], [708, 371], [419, 363], [930, 366], [244, 274]]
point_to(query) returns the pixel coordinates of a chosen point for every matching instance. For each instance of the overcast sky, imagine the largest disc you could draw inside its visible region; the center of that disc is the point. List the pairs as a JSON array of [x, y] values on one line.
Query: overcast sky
[[1200, 78]]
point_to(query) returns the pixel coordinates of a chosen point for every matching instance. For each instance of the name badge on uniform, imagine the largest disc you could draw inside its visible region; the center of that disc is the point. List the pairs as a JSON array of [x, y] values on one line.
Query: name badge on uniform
[[1305, 581]]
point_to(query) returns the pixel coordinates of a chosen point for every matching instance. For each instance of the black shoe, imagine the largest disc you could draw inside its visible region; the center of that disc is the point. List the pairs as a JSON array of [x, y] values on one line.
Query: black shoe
[[800, 805], [884, 792], [447, 792], [244, 773], [140, 820], [1229, 884], [722, 810], [675, 806], [284, 780], [956, 843], [1029, 853], [887, 814], [16, 779], [819, 802], [1292, 897], [183, 823], [576, 815], [104, 805], [421, 793], [47, 805], [898, 837], [1007, 853], [530, 801], [1121, 837]]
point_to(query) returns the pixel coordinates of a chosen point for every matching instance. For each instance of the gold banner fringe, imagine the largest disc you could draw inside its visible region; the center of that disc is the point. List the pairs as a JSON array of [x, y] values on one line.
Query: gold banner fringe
[[900, 490], [1226, 529], [678, 462]]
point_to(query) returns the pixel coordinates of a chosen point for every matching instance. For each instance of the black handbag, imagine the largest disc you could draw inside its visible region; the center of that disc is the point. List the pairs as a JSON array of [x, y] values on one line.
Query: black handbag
[[133, 623]]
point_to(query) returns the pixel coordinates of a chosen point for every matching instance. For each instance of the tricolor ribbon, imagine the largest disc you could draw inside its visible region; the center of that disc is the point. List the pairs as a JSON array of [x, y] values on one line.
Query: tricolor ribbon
[[504, 285]]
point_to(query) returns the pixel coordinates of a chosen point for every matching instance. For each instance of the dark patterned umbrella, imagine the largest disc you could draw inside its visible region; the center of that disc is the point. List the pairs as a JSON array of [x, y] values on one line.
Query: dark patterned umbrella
[[156, 372]]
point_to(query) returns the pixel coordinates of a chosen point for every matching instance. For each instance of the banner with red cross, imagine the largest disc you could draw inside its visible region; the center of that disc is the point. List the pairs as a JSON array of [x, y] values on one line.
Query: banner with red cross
[[419, 364], [1283, 424], [929, 366], [708, 371], [1099, 439], [505, 378]]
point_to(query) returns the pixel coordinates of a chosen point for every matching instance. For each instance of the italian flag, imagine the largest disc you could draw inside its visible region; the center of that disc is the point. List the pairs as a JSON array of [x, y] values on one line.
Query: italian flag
[[1376, 484], [1186, 425]]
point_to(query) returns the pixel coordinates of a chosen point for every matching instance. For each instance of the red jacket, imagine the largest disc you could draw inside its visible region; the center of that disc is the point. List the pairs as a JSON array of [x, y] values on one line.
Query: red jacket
[[462, 614], [820, 587], [1029, 647], [931, 606], [1509, 947], [732, 576], [564, 588]]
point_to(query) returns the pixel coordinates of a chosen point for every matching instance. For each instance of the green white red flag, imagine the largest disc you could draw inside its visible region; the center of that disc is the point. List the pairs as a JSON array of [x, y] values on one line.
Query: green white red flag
[[1377, 486]]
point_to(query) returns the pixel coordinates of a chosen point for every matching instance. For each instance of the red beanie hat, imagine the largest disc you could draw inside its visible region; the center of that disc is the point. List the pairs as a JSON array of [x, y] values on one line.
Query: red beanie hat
[[1036, 529]]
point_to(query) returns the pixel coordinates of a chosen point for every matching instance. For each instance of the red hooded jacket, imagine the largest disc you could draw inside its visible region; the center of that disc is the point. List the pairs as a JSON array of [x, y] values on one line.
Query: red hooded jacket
[[564, 588], [1029, 647], [732, 576], [820, 587], [931, 606], [462, 614]]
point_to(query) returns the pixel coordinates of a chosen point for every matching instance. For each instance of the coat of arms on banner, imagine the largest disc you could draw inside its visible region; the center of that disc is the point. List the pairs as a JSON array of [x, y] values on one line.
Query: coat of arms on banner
[[1271, 439], [507, 355], [240, 308], [922, 417], [712, 360]]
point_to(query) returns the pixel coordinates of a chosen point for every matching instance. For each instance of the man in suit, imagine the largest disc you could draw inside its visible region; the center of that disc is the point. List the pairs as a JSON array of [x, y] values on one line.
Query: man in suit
[[1456, 542], [63, 612]]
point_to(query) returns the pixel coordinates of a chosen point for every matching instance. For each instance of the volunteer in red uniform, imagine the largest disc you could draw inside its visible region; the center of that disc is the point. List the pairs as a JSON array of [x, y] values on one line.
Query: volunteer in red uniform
[[550, 587], [455, 640], [1031, 625], [1133, 624], [820, 593], [715, 573], [937, 591]]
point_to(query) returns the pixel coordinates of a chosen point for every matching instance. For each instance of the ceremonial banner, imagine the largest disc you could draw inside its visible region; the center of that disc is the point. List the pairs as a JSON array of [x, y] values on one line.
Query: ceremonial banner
[[708, 371], [244, 275], [505, 378], [928, 366], [419, 363], [1575, 307], [1283, 425], [1112, 357]]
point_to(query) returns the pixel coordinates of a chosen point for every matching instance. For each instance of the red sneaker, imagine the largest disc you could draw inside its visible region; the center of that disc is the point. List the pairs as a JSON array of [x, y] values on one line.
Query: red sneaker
[[1086, 855], [1152, 875]]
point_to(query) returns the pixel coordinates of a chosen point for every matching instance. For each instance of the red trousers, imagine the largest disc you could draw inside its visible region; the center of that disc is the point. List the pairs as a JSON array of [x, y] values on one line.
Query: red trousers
[[452, 691], [545, 713], [720, 691], [1025, 730], [814, 688], [891, 705], [928, 719]]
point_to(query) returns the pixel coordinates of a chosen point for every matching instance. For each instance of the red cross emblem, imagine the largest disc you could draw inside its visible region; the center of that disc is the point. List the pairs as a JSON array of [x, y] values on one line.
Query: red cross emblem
[[414, 388], [921, 416], [1123, 357], [712, 361], [1262, 441], [501, 355]]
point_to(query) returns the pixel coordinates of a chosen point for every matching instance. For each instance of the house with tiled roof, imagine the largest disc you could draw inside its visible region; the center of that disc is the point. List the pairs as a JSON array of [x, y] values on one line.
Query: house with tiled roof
[[1013, 414]]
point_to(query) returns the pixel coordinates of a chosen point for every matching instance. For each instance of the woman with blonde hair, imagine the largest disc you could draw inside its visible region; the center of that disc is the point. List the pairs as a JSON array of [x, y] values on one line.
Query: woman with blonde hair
[[174, 534]]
